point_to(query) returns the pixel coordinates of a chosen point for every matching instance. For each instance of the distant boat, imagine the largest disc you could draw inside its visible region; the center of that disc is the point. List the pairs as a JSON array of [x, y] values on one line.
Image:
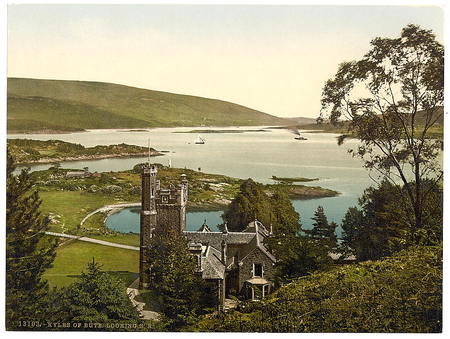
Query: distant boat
[[300, 138], [200, 140], [295, 131]]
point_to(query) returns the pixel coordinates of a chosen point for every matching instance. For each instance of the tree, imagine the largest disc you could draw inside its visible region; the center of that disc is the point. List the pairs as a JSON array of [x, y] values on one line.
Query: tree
[[393, 99], [380, 228], [285, 220], [97, 297], [297, 256], [29, 252], [322, 230], [249, 204], [173, 276]]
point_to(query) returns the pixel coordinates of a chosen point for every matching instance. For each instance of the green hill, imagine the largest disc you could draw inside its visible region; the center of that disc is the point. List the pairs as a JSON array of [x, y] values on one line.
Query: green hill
[[36, 105], [398, 294]]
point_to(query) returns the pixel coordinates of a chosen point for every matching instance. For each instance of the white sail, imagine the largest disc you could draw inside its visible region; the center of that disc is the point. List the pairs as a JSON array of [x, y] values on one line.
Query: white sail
[[199, 140]]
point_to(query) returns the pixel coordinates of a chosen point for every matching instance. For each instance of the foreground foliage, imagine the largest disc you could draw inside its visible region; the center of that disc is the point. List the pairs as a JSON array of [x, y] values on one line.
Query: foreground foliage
[[380, 227], [393, 100], [399, 294], [96, 297], [28, 252], [183, 293]]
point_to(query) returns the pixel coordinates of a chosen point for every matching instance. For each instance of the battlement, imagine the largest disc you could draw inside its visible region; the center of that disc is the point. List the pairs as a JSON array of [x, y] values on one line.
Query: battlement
[[149, 169]]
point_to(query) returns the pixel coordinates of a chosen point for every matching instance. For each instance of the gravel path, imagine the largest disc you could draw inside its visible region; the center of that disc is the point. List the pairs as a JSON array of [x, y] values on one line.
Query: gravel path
[[95, 241]]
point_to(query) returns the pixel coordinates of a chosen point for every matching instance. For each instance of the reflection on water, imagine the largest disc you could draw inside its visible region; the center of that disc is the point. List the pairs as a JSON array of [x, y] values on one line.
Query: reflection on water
[[128, 219]]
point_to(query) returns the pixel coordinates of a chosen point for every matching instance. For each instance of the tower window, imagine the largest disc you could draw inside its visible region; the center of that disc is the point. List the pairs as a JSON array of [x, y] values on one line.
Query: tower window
[[257, 270]]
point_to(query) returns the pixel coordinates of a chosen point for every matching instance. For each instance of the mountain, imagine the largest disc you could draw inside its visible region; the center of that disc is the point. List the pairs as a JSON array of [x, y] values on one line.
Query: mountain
[[300, 121], [51, 105]]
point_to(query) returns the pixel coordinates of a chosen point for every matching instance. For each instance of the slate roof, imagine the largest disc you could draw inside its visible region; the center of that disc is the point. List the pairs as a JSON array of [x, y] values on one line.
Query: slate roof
[[244, 242], [211, 265], [214, 239]]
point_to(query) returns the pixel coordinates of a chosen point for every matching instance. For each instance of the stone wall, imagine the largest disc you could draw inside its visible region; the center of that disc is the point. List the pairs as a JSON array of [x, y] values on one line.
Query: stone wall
[[246, 269]]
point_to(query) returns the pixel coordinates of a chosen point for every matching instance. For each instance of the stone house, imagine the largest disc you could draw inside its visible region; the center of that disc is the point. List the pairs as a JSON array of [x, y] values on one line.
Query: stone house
[[238, 263]]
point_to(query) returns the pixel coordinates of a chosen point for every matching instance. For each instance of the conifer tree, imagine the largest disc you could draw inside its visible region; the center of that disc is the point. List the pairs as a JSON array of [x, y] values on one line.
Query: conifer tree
[[29, 252], [97, 297], [322, 230], [173, 276]]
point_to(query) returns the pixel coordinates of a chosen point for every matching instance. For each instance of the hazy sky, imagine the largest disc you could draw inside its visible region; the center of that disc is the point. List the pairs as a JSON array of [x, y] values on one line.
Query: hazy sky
[[271, 58]]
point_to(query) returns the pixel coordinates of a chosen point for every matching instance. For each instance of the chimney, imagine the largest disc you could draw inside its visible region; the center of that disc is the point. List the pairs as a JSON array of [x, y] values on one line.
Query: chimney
[[224, 252], [225, 228]]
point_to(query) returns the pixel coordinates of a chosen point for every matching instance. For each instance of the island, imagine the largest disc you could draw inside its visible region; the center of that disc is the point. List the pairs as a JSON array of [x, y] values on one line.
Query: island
[[27, 151], [284, 180]]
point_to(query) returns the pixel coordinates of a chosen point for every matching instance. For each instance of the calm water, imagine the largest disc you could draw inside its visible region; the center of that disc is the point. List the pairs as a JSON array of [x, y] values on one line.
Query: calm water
[[258, 155], [127, 220]]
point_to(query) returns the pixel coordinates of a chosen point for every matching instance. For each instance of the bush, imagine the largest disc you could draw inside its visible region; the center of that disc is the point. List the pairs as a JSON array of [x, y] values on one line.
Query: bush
[[399, 294]]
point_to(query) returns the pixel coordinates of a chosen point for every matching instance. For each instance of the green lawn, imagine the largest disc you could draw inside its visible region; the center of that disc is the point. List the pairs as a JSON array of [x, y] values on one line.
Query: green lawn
[[72, 207], [73, 257]]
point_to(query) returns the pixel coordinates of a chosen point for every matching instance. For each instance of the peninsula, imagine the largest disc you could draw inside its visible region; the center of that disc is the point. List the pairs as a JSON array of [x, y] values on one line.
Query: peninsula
[[27, 151]]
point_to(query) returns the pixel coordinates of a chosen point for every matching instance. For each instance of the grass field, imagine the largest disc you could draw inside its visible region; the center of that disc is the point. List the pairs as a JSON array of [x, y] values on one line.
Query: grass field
[[73, 256], [72, 207]]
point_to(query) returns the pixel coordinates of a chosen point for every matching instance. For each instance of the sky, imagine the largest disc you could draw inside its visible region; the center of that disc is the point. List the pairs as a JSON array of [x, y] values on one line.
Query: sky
[[275, 59]]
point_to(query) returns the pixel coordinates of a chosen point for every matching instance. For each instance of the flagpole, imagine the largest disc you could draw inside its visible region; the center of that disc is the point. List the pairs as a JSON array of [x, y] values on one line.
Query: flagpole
[[149, 151]]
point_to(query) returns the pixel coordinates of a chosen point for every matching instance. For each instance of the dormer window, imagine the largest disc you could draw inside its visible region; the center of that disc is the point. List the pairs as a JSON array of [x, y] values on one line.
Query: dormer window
[[257, 270]]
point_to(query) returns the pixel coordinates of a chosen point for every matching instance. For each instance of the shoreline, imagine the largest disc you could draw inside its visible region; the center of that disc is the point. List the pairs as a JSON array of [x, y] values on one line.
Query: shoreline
[[88, 157]]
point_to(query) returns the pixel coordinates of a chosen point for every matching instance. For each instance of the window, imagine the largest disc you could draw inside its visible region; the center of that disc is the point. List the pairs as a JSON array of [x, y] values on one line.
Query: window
[[265, 290], [257, 270]]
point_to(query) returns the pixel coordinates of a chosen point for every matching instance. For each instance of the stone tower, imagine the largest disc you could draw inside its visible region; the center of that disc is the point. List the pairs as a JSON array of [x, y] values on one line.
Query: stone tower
[[161, 209], [171, 206], [149, 185]]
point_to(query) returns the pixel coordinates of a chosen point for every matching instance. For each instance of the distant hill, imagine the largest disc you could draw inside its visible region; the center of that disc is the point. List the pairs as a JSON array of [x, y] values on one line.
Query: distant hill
[[51, 105], [300, 121], [435, 131]]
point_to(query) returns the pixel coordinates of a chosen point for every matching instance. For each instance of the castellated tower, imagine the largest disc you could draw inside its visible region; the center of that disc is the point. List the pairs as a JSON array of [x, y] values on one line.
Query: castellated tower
[[148, 219], [161, 209]]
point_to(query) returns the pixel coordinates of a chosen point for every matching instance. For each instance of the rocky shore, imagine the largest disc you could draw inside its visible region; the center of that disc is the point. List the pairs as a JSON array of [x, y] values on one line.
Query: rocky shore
[[90, 157]]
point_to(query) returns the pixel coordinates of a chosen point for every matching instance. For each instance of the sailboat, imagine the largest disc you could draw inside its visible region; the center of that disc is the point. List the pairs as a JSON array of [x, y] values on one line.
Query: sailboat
[[200, 140], [297, 133]]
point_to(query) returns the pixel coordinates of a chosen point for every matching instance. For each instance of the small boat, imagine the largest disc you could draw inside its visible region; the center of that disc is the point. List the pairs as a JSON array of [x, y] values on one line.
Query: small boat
[[295, 131], [300, 138], [200, 140]]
